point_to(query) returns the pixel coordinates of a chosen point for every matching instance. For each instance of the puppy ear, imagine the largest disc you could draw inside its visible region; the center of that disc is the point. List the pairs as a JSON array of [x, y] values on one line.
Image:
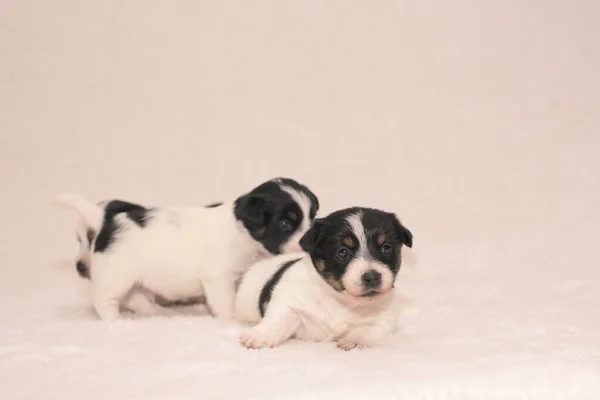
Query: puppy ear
[[254, 211], [408, 237], [311, 238], [404, 234], [90, 212]]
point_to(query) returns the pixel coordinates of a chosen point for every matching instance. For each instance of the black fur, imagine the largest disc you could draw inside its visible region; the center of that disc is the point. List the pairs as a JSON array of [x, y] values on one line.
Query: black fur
[[329, 235], [135, 212], [214, 205], [271, 215], [82, 270], [267, 290]]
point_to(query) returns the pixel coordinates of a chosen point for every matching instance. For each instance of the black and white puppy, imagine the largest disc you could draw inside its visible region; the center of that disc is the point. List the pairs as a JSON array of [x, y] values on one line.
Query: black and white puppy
[[140, 299], [184, 252], [342, 290]]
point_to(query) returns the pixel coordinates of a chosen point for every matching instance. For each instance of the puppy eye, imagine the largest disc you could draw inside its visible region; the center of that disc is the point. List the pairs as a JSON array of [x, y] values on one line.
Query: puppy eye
[[386, 249], [342, 254], [285, 225]]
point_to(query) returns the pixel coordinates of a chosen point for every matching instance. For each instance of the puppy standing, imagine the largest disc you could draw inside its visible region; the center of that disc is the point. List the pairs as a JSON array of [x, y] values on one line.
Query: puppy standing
[[183, 252], [140, 300], [341, 291]]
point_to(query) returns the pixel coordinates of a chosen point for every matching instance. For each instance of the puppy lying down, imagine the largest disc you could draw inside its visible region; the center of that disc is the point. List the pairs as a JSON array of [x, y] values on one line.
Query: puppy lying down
[[341, 289]]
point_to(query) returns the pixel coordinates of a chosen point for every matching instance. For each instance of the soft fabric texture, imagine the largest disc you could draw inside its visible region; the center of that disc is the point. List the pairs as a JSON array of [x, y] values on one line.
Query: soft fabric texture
[[474, 326]]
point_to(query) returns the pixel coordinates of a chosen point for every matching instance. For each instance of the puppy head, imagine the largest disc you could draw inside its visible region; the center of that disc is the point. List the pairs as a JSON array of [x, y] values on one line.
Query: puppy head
[[357, 250], [277, 214], [85, 238], [86, 234]]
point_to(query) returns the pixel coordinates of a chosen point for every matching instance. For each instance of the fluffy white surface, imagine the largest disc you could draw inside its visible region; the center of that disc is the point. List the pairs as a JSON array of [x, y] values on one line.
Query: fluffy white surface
[[474, 327]]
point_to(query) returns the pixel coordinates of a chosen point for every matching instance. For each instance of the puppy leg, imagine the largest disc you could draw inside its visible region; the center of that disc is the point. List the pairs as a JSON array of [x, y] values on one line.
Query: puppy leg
[[109, 292], [220, 298], [278, 325], [365, 336], [139, 303]]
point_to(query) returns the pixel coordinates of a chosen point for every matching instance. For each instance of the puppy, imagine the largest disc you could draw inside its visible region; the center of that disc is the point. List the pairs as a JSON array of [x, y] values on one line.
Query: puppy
[[342, 290], [184, 252], [139, 300]]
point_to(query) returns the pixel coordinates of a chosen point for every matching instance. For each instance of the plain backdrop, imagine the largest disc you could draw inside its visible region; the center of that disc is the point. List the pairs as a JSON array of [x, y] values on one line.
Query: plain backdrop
[[477, 122]]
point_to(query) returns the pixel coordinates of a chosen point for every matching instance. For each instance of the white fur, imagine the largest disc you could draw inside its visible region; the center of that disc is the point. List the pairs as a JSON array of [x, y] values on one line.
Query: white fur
[[304, 306], [181, 252]]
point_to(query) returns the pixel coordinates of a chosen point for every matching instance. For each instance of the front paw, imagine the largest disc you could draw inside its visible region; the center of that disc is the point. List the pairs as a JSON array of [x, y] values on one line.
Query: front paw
[[254, 339], [348, 345]]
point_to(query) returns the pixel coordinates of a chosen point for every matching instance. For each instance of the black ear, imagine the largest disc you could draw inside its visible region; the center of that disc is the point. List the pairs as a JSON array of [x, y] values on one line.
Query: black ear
[[408, 238], [254, 213], [311, 238], [404, 234]]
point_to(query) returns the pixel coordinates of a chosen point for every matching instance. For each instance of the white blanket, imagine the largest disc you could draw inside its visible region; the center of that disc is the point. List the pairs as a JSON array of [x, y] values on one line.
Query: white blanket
[[474, 326]]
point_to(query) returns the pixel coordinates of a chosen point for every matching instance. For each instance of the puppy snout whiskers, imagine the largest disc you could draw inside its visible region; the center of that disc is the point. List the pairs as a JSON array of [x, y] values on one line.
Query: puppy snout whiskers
[[371, 279]]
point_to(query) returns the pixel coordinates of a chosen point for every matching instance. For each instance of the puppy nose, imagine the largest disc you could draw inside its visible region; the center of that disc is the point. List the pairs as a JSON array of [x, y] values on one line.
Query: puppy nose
[[371, 279], [81, 268]]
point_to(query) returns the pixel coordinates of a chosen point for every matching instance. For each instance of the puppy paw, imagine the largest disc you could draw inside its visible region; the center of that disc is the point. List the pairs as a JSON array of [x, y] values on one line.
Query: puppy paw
[[253, 339], [347, 345]]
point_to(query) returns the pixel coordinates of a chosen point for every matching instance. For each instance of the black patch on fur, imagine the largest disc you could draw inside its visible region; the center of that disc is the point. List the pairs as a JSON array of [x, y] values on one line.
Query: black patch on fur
[[271, 215], [106, 236], [267, 290], [119, 206], [214, 205], [135, 212], [139, 216], [328, 235]]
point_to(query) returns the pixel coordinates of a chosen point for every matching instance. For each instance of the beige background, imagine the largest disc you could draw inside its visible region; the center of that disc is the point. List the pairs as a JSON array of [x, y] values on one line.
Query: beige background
[[476, 121]]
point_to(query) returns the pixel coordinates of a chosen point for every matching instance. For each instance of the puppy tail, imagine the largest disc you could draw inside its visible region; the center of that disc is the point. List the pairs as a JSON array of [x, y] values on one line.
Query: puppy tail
[[90, 212]]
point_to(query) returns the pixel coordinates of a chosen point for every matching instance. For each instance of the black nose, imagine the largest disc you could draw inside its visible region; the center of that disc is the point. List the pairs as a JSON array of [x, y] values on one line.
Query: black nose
[[371, 279], [81, 268]]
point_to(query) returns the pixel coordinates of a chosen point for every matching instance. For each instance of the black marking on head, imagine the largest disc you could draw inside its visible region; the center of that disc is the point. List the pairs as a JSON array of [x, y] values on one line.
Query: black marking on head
[[314, 201], [267, 290], [214, 205], [332, 244], [135, 212], [271, 215]]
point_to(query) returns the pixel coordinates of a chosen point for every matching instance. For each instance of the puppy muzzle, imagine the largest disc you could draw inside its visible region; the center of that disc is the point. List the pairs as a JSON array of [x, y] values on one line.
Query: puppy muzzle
[[82, 270]]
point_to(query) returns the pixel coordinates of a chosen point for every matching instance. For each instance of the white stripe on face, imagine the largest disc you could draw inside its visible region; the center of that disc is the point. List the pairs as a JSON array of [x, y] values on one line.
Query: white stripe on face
[[356, 225], [293, 243], [363, 262]]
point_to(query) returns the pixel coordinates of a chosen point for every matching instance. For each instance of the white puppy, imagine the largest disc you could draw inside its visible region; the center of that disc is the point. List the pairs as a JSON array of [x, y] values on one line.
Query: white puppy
[[184, 252], [342, 290]]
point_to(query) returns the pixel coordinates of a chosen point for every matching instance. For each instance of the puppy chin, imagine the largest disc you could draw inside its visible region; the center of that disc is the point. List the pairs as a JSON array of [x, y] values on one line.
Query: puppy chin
[[367, 294]]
